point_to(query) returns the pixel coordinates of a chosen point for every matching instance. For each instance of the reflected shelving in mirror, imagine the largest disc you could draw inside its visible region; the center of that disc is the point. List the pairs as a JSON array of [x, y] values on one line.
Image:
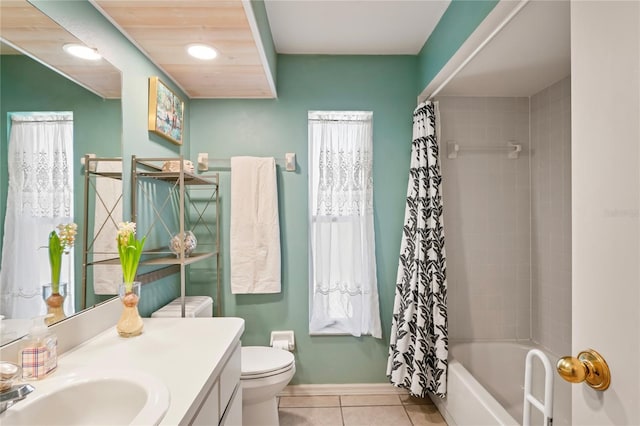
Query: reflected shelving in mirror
[[102, 212]]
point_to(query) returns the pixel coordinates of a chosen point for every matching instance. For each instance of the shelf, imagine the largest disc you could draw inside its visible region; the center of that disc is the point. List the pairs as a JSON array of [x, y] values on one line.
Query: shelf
[[169, 259], [113, 261], [154, 170], [173, 260], [112, 175], [189, 179]]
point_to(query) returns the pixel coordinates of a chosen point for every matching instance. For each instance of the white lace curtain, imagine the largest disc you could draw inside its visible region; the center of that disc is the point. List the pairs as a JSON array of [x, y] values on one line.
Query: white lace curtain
[[344, 291], [40, 197]]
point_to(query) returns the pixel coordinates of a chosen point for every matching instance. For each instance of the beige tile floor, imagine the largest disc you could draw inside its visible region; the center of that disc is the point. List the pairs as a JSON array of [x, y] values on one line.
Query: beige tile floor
[[358, 410]]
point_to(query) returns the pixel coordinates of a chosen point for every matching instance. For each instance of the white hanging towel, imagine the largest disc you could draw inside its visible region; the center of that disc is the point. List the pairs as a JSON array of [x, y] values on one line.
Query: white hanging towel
[[109, 198], [255, 228]]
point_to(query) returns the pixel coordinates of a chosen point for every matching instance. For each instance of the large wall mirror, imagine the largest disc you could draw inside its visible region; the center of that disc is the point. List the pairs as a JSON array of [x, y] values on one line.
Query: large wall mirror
[[76, 103]]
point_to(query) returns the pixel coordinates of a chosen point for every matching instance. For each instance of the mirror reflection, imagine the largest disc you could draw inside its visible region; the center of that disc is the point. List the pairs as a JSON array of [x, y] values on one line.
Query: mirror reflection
[[49, 122]]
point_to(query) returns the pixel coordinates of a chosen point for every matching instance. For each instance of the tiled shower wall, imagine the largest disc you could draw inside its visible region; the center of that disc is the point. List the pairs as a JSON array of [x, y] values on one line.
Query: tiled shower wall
[[508, 221], [551, 217], [487, 218]]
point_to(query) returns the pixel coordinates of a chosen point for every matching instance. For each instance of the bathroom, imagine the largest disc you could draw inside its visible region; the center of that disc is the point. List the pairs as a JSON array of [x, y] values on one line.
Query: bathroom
[[224, 128]]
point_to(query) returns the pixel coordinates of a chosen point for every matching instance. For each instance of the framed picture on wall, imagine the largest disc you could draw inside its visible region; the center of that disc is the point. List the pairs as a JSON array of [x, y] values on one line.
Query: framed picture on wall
[[166, 111]]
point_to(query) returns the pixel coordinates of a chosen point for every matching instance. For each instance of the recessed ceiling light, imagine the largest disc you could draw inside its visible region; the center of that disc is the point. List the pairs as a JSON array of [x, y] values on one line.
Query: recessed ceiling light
[[81, 51], [202, 51]]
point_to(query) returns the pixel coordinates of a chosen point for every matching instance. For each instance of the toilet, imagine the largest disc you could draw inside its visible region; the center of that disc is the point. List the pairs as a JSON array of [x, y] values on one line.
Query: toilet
[[265, 371]]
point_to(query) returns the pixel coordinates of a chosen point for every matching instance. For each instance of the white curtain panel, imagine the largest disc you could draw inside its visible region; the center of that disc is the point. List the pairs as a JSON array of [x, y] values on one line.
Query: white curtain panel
[[40, 197], [344, 291]]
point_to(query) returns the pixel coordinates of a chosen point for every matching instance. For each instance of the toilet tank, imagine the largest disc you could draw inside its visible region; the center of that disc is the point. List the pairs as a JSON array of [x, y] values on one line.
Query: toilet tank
[[195, 307]]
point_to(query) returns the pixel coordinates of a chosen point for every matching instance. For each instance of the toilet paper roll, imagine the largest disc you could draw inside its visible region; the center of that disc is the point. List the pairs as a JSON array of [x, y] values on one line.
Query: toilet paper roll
[[281, 344]]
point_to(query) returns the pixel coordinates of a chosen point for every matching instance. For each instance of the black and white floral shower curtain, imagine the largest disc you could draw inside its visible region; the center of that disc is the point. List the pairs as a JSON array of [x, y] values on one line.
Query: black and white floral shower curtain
[[419, 341]]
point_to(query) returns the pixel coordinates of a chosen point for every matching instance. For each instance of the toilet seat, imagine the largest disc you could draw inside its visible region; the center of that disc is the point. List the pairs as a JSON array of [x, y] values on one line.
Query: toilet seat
[[261, 361]]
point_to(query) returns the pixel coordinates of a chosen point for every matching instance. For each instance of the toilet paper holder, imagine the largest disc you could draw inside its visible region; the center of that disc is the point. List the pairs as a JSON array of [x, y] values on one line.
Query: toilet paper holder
[[283, 340]]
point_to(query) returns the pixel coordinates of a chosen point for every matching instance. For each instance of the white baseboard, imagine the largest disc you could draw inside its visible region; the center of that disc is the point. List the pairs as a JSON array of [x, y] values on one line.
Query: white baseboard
[[343, 389], [442, 408]]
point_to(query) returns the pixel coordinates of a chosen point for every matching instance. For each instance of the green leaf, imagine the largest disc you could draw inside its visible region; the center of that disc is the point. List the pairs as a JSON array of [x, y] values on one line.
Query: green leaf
[[55, 260]]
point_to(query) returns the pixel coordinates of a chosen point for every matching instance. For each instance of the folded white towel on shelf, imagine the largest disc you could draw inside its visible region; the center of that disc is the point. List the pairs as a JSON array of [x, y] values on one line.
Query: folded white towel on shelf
[[108, 198], [255, 228]]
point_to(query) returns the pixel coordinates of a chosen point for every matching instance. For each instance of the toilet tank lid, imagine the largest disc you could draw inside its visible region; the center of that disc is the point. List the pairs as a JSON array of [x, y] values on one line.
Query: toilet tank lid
[[194, 305], [263, 359]]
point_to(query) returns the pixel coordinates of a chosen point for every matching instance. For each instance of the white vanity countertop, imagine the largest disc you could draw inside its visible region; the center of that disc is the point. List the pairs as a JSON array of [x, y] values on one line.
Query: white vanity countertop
[[185, 353]]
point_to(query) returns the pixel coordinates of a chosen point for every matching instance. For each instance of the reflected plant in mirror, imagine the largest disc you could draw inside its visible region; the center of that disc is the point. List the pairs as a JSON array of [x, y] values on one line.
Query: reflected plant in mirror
[[60, 242]]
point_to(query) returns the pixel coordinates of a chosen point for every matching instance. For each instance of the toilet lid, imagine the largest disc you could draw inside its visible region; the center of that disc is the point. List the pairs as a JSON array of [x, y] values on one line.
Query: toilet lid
[[262, 359], [245, 376]]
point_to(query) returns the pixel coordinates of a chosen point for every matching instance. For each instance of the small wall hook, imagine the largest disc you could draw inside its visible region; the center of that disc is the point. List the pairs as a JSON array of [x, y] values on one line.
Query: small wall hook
[[290, 161], [515, 153], [203, 161], [452, 149]]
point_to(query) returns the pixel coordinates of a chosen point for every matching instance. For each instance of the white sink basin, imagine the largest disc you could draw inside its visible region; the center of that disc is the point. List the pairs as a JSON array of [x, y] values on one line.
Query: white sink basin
[[109, 397]]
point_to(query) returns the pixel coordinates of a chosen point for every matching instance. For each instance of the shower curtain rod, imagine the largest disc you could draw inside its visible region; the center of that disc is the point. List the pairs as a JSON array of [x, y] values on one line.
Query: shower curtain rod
[[21, 118], [343, 120], [204, 162]]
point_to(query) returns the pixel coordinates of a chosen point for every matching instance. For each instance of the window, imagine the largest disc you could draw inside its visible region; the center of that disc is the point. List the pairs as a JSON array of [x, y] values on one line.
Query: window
[[343, 293]]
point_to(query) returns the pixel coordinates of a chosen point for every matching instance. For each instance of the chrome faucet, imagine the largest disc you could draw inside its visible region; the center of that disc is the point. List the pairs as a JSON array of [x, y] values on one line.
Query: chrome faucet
[[14, 394]]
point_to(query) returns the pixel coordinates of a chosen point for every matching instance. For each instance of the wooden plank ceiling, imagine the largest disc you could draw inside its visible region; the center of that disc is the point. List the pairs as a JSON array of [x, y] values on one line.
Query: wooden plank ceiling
[[36, 35], [164, 29]]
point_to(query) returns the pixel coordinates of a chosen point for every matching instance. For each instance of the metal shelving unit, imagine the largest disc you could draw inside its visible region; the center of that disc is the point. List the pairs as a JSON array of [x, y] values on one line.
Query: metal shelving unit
[[89, 252], [168, 200]]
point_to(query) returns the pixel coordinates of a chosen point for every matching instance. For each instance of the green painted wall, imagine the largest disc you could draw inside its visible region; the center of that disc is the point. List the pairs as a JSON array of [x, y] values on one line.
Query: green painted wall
[[461, 18], [224, 128], [26, 86]]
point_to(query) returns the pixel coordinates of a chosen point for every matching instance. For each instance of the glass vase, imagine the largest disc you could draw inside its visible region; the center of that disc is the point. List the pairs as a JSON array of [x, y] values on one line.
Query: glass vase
[[188, 244], [54, 302], [130, 323]]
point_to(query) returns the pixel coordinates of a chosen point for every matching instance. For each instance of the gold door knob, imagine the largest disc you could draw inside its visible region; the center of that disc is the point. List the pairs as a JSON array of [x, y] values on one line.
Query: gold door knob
[[589, 366]]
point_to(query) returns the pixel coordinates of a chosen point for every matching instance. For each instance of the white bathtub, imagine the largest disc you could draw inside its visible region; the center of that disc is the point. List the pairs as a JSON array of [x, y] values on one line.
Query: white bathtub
[[485, 386]]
